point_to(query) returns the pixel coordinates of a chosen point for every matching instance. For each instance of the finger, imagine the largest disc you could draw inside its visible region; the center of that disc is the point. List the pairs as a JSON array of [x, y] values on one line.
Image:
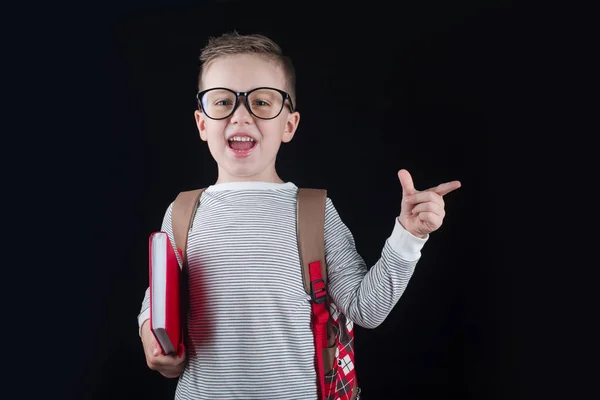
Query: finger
[[423, 197], [431, 219], [166, 362], [171, 373], [406, 182], [156, 351], [445, 188], [429, 206]]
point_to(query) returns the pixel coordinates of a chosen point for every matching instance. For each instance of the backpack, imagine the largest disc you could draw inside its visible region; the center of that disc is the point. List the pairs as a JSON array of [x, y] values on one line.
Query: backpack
[[333, 332]]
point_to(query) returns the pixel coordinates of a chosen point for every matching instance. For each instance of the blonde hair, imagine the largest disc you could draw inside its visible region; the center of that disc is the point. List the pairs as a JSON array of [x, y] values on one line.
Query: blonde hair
[[233, 43]]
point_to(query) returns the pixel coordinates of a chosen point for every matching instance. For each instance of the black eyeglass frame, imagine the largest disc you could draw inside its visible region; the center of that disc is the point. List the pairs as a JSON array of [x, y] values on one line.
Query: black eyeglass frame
[[285, 95]]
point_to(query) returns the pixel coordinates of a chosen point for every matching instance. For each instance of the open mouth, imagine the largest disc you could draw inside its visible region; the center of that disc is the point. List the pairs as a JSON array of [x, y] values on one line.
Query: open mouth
[[241, 144]]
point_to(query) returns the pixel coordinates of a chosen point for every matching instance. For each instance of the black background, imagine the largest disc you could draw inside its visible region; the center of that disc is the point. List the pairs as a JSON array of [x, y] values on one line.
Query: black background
[[446, 90]]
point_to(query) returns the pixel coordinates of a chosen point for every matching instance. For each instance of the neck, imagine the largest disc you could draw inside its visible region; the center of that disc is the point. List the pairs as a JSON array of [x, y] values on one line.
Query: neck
[[270, 176]]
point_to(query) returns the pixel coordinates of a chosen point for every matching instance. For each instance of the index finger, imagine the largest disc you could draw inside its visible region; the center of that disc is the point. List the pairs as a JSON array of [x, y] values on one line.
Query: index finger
[[445, 188]]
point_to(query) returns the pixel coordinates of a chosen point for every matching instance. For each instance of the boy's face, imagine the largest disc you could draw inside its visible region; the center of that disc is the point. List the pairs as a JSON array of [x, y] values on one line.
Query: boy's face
[[242, 73]]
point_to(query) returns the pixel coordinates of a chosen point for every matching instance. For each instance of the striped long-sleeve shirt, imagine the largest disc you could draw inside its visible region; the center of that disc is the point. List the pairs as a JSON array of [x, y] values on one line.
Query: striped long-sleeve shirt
[[249, 320]]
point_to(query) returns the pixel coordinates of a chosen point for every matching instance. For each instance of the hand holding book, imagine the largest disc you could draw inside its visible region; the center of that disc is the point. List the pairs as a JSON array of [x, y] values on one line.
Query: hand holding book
[[170, 366]]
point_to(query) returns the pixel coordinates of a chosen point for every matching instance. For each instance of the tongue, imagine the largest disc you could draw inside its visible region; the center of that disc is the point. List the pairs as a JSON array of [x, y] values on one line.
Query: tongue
[[241, 145]]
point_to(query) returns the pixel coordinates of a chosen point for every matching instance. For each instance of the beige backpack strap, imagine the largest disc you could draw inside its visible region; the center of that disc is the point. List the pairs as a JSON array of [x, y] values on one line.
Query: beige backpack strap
[[182, 217], [311, 247], [311, 231]]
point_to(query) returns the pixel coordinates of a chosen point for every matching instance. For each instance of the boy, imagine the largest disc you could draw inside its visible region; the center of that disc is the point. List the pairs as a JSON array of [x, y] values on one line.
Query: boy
[[249, 322]]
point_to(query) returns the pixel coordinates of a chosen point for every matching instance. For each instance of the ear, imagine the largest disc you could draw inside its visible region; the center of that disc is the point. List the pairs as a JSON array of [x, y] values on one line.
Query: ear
[[200, 124], [291, 124]]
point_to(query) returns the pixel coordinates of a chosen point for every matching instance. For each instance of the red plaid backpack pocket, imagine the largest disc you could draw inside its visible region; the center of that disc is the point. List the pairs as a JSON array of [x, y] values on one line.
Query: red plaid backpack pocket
[[340, 382]]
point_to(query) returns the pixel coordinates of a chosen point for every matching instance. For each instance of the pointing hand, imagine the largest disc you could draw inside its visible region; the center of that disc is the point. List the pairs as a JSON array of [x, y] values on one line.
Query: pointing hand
[[422, 212]]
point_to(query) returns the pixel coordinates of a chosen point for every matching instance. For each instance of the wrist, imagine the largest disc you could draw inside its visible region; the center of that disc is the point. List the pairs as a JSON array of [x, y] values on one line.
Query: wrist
[[415, 234]]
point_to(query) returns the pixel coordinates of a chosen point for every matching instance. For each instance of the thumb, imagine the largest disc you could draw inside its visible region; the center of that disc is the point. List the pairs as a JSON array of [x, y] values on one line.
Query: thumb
[[156, 350], [406, 181]]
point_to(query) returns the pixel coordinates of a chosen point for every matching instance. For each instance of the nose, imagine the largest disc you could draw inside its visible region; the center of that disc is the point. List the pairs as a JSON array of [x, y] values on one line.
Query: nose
[[241, 115]]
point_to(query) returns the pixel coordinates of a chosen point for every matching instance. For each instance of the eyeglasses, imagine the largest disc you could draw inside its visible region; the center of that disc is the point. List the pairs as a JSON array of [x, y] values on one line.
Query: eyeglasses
[[262, 102]]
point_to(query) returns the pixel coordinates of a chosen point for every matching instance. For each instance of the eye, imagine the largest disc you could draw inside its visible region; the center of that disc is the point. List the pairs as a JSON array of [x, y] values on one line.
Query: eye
[[224, 102], [260, 103]]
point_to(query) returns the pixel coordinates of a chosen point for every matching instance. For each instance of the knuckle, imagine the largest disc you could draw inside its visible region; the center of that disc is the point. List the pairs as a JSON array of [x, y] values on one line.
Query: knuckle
[[151, 364]]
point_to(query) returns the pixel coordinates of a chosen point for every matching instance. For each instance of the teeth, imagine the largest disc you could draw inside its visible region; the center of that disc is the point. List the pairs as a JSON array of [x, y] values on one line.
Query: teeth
[[241, 139]]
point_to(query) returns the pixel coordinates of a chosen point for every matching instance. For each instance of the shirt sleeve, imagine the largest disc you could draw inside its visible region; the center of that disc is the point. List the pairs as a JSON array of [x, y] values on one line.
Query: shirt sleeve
[[367, 295]]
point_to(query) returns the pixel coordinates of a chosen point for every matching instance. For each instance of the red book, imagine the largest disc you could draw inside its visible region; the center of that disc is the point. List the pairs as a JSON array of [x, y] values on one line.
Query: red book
[[165, 296]]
